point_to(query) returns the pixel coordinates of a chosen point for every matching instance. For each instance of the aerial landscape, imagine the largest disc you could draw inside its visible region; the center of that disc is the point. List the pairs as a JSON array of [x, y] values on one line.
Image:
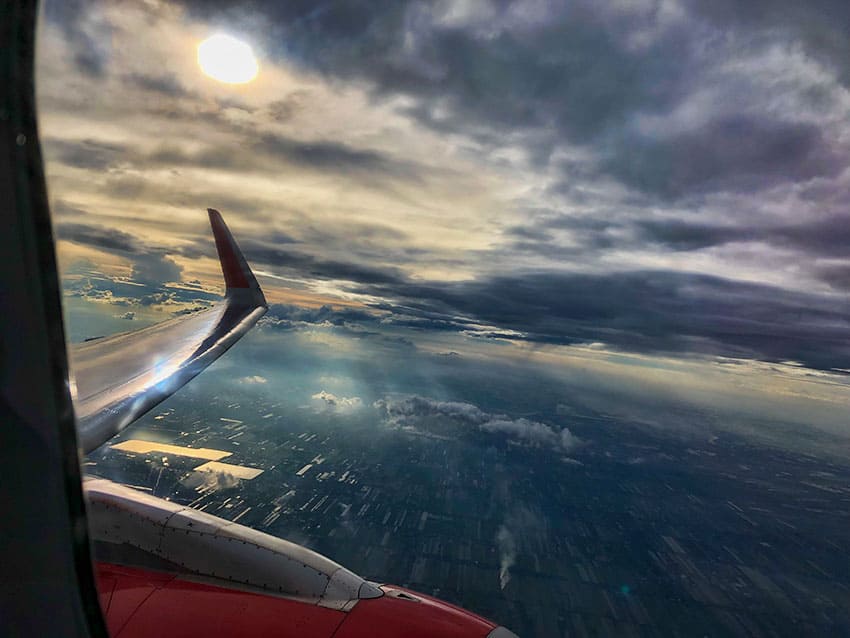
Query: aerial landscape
[[566, 520], [558, 325]]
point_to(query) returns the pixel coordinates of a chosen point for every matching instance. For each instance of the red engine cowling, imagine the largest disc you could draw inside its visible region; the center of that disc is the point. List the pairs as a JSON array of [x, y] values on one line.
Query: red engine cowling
[[168, 570], [140, 603]]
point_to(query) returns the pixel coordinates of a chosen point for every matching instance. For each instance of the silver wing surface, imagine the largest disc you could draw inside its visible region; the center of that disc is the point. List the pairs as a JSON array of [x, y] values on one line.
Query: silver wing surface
[[116, 379]]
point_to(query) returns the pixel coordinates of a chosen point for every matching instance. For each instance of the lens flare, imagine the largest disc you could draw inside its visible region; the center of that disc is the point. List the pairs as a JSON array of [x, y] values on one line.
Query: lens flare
[[227, 59]]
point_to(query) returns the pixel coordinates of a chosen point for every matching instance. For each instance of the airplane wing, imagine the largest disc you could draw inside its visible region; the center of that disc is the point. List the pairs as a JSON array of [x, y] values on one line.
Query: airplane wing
[[116, 379], [166, 569]]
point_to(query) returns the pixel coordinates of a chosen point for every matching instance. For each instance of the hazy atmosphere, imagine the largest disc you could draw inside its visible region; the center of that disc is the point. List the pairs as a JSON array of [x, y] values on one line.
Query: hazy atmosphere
[[537, 227]]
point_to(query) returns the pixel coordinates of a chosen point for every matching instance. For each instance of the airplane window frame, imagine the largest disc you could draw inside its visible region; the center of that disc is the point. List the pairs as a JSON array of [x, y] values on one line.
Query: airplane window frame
[[48, 581]]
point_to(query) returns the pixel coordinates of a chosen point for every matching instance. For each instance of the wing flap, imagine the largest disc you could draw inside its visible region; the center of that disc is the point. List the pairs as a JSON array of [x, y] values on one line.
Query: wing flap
[[117, 379]]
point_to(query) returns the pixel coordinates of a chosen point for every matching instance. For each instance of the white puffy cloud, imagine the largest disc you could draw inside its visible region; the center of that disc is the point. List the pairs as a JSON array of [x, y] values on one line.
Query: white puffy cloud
[[254, 379], [413, 411], [330, 401]]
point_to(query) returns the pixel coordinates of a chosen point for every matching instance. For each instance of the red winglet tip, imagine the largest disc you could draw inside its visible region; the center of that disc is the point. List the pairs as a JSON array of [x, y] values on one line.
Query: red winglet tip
[[228, 253]]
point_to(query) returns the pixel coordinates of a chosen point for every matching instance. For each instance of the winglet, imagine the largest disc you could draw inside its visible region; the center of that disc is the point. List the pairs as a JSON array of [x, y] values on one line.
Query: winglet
[[119, 378], [238, 278]]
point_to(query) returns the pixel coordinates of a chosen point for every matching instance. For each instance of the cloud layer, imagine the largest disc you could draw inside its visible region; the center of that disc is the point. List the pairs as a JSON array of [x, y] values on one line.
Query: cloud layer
[[657, 176], [424, 413]]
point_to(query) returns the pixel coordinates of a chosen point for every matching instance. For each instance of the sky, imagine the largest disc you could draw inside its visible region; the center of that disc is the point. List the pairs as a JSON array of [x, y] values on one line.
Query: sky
[[655, 192]]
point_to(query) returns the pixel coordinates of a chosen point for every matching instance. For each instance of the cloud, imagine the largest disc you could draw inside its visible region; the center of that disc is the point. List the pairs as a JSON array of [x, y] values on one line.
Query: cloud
[[86, 154], [274, 152], [339, 404], [584, 74], [649, 312], [157, 299], [111, 240], [279, 258], [610, 139], [164, 83], [531, 432], [836, 275], [738, 153], [88, 34], [254, 380], [288, 316], [155, 269], [150, 265], [335, 156], [423, 412], [828, 236], [493, 71], [288, 106], [815, 25]]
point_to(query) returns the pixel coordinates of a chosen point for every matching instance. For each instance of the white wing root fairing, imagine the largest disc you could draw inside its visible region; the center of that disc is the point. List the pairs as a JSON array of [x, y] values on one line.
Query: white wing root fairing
[[118, 379]]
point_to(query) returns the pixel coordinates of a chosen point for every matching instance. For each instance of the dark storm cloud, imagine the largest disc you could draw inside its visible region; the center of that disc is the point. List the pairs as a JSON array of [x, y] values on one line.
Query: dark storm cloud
[[649, 312], [821, 25], [547, 75], [733, 154], [277, 257], [109, 239], [675, 109], [828, 237], [333, 156], [150, 265], [587, 234], [836, 276], [681, 235], [571, 73], [269, 152]]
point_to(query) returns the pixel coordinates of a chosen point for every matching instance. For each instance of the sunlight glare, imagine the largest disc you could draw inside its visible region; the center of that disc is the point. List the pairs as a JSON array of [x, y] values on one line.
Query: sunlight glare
[[227, 59]]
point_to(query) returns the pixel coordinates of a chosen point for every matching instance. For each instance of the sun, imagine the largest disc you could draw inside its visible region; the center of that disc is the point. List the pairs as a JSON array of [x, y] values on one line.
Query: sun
[[227, 59]]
